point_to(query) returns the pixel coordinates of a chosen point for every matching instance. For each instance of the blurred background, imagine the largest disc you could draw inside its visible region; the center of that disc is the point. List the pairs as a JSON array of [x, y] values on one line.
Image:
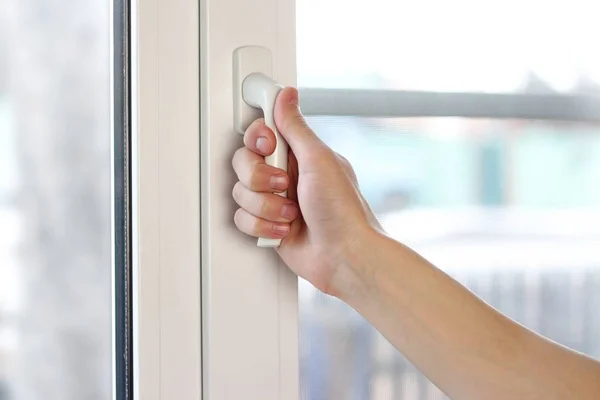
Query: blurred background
[[508, 207], [55, 263], [511, 208]]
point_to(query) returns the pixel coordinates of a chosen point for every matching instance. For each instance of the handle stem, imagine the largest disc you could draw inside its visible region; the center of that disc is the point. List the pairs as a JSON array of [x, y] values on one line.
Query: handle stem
[[260, 91]]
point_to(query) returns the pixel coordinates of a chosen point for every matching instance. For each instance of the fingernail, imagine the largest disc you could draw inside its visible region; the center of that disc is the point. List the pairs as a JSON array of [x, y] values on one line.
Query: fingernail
[[263, 145], [290, 212], [281, 230], [278, 182]]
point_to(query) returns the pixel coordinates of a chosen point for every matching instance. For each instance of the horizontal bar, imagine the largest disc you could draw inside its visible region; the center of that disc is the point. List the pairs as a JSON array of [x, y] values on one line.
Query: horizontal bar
[[389, 103]]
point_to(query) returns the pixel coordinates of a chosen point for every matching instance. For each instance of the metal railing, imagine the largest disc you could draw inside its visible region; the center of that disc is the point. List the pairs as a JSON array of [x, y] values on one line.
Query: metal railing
[[397, 104]]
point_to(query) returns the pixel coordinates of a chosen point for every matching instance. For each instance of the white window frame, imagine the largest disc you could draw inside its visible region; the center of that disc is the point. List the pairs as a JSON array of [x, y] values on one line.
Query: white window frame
[[165, 200], [213, 316]]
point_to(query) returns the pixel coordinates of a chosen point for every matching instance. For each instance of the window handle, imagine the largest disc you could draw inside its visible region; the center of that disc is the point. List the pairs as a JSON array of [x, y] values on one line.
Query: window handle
[[254, 90], [261, 92]]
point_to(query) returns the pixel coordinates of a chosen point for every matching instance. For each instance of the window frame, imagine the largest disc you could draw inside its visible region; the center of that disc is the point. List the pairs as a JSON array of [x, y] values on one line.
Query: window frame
[[205, 321], [165, 246]]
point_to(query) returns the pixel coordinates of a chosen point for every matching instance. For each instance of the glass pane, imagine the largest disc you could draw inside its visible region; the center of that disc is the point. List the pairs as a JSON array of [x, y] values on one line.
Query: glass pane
[[55, 257], [440, 45], [509, 208]]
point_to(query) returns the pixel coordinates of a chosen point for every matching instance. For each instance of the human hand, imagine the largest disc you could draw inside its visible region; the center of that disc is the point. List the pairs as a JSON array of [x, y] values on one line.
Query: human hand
[[324, 218]]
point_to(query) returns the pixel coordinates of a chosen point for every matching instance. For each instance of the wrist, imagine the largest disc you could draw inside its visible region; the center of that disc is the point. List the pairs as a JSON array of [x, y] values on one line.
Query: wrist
[[358, 265]]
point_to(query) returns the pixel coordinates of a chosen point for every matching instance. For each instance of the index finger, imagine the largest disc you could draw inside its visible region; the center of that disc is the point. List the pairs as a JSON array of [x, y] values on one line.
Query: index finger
[[259, 138]]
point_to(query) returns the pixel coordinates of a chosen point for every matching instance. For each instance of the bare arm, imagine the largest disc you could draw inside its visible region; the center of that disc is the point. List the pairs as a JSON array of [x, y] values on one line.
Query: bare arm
[[332, 239], [467, 348]]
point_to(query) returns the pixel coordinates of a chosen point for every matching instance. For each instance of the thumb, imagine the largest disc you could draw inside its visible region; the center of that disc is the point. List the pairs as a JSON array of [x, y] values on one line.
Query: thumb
[[292, 126]]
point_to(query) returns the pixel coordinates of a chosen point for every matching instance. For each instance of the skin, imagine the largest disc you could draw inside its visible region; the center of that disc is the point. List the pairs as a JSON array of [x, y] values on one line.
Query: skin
[[332, 239]]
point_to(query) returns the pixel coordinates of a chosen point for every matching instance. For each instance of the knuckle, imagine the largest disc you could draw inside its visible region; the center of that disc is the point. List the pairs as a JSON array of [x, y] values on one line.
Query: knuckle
[[237, 218], [235, 192], [245, 222], [262, 205], [235, 158], [254, 179], [347, 165], [239, 160], [343, 160], [255, 125], [253, 225]]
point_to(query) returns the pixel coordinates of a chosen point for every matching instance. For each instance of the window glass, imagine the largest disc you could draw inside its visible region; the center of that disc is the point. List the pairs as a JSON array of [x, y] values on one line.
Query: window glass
[[509, 208], [439, 45], [55, 257]]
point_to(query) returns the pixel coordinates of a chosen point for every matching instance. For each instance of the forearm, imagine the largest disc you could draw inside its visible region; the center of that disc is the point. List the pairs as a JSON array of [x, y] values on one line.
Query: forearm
[[467, 348]]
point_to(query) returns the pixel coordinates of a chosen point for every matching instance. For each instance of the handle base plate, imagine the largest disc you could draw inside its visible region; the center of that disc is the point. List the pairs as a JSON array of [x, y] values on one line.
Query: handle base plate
[[248, 60]]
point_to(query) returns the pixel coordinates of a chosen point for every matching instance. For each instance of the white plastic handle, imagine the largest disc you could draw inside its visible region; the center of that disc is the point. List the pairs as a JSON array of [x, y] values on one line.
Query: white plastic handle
[[260, 91]]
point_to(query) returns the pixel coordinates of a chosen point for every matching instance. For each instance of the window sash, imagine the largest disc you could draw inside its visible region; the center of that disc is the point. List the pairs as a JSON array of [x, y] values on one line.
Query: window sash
[[213, 316], [250, 299]]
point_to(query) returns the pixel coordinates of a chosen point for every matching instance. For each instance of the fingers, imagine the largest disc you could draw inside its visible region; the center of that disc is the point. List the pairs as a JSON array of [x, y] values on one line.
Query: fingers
[[292, 126], [262, 213], [292, 191], [267, 206], [256, 175], [259, 138], [258, 227]]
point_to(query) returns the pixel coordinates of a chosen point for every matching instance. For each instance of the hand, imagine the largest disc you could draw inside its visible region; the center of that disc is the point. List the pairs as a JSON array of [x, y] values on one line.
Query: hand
[[324, 217]]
